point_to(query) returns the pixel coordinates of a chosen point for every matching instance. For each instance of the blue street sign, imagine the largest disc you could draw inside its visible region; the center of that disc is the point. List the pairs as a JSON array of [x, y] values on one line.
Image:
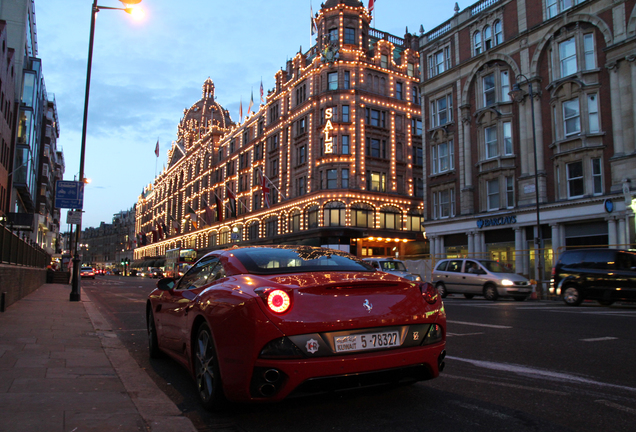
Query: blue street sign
[[69, 194]]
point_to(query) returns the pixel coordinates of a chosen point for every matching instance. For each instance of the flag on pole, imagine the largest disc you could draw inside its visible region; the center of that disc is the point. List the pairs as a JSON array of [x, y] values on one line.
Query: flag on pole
[[262, 93], [157, 149], [208, 213], [160, 230], [193, 217], [371, 6], [232, 202], [241, 111], [314, 27], [176, 225], [164, 228], [266, 189], [249, 108], [219, 208]]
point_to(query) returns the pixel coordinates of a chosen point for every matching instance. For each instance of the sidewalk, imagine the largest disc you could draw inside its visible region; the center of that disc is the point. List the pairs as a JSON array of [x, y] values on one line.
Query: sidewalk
[[62, 369]]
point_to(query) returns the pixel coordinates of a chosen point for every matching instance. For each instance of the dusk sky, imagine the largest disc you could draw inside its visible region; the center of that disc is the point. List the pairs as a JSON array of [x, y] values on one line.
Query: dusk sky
[[145, 73]]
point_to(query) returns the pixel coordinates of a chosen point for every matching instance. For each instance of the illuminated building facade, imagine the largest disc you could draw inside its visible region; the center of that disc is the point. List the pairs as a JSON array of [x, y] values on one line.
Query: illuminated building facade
[[332, 157]]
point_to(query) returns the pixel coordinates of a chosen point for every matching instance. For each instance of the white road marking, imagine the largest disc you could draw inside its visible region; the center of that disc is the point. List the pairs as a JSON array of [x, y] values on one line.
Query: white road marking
[[478, 324], [538, 373], [599, 339], [501, 384], [617, 406]]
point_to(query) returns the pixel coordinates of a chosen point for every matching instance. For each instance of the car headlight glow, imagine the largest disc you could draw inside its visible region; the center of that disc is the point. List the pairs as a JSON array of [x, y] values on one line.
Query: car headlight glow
[[507, 282]]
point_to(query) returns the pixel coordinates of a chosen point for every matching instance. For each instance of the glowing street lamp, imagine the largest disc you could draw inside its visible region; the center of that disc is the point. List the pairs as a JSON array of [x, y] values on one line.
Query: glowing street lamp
[[130, 6]]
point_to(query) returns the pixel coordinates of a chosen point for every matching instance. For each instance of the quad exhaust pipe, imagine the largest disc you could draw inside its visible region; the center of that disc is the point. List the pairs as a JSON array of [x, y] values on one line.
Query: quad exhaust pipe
[[271, 376]]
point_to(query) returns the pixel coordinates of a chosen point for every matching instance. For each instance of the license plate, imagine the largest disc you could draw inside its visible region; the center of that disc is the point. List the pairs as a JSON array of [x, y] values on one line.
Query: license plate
[[367, 341]]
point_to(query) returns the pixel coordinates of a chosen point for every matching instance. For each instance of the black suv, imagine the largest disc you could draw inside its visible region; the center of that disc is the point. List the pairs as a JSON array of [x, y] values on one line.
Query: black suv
[[604, 275]]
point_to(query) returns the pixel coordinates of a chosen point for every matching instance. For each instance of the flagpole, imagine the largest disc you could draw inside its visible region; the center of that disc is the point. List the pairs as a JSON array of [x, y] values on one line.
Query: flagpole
[[270, 182]]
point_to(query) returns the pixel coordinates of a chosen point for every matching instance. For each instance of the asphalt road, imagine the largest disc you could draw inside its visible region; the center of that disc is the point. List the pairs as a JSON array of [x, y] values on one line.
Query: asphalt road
[[511, 366]]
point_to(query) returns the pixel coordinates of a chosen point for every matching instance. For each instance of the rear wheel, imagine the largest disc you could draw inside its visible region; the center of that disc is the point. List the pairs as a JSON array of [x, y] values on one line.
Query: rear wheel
[[206, 368], [469, 296], [572, 296], [441, 290], [153, 346], [490, 292]]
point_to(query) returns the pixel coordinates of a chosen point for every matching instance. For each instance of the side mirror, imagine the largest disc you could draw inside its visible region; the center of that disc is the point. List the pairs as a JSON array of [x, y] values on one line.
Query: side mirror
[[166, 284]]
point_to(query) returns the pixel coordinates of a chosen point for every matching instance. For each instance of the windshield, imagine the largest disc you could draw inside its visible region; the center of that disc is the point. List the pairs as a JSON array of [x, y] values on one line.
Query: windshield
[[274, 260], [393, 266], [495, 267]]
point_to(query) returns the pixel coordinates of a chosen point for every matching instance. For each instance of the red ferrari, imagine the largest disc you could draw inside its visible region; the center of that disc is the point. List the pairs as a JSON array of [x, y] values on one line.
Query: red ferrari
[[265, 323]]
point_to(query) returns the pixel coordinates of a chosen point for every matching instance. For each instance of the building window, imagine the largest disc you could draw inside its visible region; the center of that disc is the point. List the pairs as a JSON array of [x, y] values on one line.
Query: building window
[[301, 186], [390, 218], [492, 189], [273, 114], [376, 148], [588, 47], [349, 36], [301, 126], [362, 216], [376, 118], [597, 176], [490, 97], [592, 113], [442, 111], [507, 136], [399, 91], [312, 217], [376, 181], [334, 214], [294, 221], [273, 142], [333, 35], [555, 7], [439, 62], [504, 86], [416, 126], [442, 157], [477, 42], [571, 117], [345, 178], [491, 142], [332, 179], [575, 179], [345, 114], [414, 222], [347, 80], [510, 192], [487, 37], [410, 69], [567, 57], [418, 157], [345, 147], [415, 96], [498, 33], [301, 155], [332, 79], [444, 204], [384, 61], [271, 227], [419, 187]]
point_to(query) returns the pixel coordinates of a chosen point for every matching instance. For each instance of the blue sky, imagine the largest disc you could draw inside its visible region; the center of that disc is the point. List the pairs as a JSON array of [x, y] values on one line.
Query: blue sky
[[145, 73]]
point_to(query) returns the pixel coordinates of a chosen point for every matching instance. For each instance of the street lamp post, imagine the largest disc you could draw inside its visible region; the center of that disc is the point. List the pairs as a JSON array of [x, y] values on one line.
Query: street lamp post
[[75, 285], [518, 95]]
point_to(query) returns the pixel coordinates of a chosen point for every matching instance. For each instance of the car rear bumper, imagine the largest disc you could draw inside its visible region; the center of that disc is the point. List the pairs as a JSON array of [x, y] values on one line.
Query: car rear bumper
[[274, 380]]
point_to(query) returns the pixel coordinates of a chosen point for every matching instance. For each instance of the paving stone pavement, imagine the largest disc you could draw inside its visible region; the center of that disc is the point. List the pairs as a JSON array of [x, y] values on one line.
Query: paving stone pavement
[[63, 369]]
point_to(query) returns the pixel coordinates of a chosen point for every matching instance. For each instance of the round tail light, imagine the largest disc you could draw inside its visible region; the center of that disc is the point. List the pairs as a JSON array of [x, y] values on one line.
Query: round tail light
[[278, 301]]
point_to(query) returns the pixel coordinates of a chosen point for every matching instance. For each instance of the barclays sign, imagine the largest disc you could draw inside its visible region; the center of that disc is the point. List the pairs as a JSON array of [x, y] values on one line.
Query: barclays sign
[[507, 220]]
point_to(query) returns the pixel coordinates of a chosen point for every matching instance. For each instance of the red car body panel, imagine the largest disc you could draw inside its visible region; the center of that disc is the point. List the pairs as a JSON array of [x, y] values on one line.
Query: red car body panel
[[242, 324]]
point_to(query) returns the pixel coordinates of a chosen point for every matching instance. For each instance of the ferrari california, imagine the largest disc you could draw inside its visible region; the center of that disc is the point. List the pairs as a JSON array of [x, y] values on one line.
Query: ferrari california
[[264, 323]]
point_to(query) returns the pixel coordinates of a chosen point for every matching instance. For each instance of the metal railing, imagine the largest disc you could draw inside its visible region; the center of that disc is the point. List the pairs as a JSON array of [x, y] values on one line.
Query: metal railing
[[17, 251]]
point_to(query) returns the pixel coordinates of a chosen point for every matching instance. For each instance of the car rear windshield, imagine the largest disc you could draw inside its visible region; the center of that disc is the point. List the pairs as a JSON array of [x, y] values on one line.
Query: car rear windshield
[[298, 260]]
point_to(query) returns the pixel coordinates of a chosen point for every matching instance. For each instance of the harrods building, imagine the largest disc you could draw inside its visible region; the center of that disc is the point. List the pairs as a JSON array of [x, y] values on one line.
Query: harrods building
[[578, 56], [332, 157]]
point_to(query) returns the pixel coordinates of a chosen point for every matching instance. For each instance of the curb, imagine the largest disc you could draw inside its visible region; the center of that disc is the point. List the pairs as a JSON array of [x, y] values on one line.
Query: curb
[[157, 410]]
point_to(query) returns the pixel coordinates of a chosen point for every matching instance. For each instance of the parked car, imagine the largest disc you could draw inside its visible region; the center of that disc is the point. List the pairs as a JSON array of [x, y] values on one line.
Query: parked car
[[393, 266], [156, 273], [473, 277], [604, 275], [87, 272], [260, 323]]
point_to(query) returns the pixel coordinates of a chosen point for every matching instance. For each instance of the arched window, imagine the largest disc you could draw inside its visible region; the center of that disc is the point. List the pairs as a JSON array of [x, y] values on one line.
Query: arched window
[[224, 237], [334, 214], [391, 218], [414, 221], [212, 239], [362, 215], [252, 231], [477, 42], [498, 32], [271, 227], [312, 216], [487, 37], [294, 221]]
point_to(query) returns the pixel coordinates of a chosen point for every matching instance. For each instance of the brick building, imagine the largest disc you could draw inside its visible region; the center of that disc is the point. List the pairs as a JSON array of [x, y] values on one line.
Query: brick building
[[332, 157], [578, 56]]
